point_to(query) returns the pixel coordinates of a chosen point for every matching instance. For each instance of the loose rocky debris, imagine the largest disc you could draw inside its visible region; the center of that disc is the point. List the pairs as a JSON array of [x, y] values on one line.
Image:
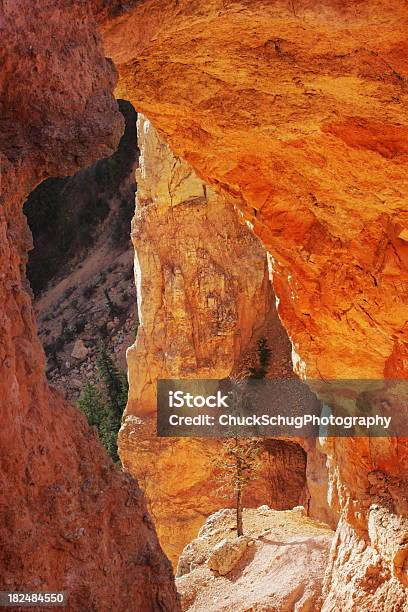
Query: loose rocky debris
[[75, 317], [278, 565]]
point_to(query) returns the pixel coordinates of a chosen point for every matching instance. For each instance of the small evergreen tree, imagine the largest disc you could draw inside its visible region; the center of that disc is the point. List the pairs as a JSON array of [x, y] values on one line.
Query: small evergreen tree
[[237, 462], [92, 404], [237, 467], [114, 382], [104, 404]]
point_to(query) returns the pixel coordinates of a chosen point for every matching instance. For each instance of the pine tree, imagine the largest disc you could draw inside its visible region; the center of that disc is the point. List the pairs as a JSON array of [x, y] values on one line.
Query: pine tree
[[237, 462], [104, 404], [108, 433], [236, 466], [92, 404], [114, 382]]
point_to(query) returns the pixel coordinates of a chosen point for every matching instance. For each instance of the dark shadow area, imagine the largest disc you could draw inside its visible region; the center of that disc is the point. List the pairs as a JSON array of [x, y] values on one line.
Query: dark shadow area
[[65, 214], [285, 474]]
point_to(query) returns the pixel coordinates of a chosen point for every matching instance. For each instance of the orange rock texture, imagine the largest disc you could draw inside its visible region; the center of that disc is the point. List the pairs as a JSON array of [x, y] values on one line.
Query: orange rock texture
[[69, 519], [296, 111], [202, 278]]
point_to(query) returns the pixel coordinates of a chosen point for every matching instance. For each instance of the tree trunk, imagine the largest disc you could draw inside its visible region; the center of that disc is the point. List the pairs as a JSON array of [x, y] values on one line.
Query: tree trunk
[[240, 530]]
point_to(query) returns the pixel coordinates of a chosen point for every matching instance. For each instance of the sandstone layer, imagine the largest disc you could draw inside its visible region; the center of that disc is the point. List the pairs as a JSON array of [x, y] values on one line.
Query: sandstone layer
[[297, 112], [69, 519], [204, 299], [203, 285]]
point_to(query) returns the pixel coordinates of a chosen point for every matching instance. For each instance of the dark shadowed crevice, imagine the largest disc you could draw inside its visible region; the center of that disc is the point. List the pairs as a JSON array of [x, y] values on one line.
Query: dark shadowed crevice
[[285, 474], [65, 214]]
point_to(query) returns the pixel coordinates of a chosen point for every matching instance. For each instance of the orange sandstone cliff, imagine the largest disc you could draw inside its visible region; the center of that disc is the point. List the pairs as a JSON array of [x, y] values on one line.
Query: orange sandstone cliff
[[296, 112]]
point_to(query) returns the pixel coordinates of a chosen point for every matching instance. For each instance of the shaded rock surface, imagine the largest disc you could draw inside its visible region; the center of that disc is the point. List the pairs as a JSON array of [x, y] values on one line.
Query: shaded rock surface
[[69, 519], [70, 217], [81, 266]]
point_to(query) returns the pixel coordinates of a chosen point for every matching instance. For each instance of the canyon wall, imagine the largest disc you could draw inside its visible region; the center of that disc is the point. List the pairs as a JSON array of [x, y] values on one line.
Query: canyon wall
[[204, 299], [297, 113], [204, 295], [69, 519]]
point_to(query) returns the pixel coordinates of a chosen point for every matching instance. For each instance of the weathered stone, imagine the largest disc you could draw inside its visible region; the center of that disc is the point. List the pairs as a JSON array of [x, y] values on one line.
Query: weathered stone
[[80, 351], [298, 113], [301, 121], [282, 570], [204, 300], [226, 554]]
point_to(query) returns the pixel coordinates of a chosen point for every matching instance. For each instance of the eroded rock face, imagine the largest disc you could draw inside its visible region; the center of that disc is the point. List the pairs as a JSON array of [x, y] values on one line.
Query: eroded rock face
[[203, 287], [358, 577], [298, 112], [226, 554], [69, 519], [204, 299]]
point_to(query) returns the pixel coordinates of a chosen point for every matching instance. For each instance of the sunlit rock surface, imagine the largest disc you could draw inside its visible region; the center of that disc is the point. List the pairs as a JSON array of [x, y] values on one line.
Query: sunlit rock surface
[[297, 112], [279, 567]]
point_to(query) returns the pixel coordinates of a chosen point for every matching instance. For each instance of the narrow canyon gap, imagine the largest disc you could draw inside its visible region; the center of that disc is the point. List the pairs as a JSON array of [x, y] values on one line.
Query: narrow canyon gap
[[81, 266]]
